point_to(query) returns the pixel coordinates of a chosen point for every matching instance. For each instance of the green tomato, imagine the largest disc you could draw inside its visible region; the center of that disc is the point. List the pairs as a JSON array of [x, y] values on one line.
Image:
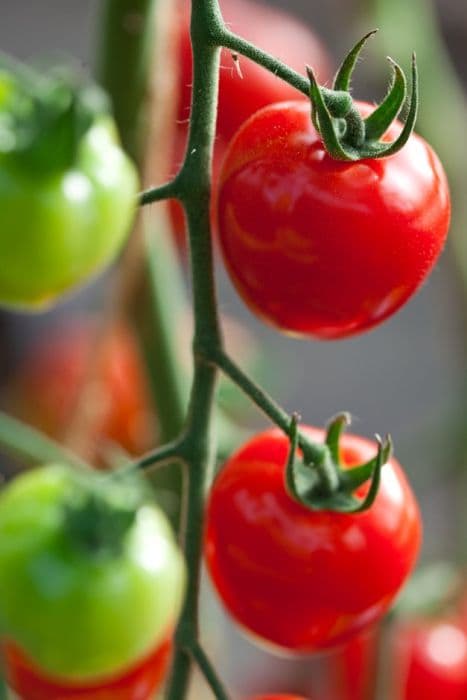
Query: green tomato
[[67, 190], [89, 584]]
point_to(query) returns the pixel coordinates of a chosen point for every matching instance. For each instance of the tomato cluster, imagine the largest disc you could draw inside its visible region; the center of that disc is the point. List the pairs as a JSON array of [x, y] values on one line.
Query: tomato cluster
[[317, 244]]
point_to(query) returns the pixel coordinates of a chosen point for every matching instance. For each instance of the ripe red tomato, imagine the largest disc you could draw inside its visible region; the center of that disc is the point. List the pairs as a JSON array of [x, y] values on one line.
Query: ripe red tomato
[[48, 385], [430, 661], [245, 90], [281, 696], [298, 579], [137, 683], [324, 248]]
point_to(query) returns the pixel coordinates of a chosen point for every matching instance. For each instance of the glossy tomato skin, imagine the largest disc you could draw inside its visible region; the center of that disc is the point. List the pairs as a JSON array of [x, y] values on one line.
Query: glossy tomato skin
[[139, 682], [60, 227], [321, 248], [84, 614], [304, 580], [49, 385], [279, 696], [242, 92], [430, 660]]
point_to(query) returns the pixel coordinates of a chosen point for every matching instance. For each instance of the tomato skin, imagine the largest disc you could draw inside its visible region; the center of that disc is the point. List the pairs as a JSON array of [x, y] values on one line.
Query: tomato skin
[[136, 683], [304, 580], [321, 248], [46, 390], [430, 660], [83, 615], [281, 696], [59, 228], [240, 95]]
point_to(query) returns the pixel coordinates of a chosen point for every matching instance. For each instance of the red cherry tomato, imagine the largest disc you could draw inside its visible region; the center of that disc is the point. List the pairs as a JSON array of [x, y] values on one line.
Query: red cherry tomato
[[244, 86], [298, 579], [49, 383], [324, 248], [430, 661], [281, 696], [137, 683]]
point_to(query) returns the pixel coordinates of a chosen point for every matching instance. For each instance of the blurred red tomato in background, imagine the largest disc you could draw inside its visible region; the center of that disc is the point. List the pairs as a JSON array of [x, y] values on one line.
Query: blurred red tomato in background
[[70, 369]]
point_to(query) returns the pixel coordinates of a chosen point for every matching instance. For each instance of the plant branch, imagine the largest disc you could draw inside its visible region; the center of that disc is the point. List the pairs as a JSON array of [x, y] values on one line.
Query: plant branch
[[156, 194], [21, 440], [194, 180], [314, 452], [235, 43], [161, 456], [208, 671], [125, 51]]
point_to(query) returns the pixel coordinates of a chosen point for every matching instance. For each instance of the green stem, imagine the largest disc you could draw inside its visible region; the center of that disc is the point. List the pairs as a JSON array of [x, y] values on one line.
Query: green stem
[[156, 194], [160, 456], [208, 671], [238, 45], [159, 326], [124, 61], [195, 190], [31, 445], [199, 445], [127, 68], [315, 453]]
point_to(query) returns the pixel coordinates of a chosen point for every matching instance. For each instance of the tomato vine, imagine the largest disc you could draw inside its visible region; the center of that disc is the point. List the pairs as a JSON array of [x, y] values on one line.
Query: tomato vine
[[195, 446]]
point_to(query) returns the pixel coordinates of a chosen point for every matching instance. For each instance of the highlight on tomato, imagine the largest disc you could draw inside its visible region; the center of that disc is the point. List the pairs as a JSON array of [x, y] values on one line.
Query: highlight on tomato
[[79, 366], [91, 581], [329, 222], [429, 659], [67, 189], [301, 579]]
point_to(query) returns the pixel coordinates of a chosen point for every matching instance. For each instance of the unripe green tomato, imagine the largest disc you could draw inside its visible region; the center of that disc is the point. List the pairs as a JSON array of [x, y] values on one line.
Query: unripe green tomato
[[61, 226], [83, 612]]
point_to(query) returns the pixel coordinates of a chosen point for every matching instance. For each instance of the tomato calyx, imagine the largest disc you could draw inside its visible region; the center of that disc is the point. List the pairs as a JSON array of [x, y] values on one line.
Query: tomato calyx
[[324, 485], [345, 133], [99, 512], [44, 115]]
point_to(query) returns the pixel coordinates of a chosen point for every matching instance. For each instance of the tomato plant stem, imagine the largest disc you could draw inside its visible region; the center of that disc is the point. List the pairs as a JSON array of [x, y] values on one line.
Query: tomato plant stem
[[194, 184], [239, 45], [124, 61], [209, 673], [161, 455], [31, 445], [314, 452]]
